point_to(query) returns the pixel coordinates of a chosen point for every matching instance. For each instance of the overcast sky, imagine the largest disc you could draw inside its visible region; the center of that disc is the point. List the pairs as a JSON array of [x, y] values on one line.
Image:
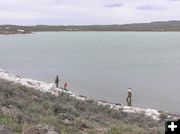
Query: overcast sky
[[77, 12]]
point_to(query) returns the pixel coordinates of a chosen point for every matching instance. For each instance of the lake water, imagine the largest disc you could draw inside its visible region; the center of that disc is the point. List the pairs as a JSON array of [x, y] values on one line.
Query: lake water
[[102, 65]]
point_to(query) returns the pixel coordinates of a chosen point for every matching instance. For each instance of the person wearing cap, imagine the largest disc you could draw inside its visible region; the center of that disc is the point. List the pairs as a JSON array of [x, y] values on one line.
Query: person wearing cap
[[129, 97]]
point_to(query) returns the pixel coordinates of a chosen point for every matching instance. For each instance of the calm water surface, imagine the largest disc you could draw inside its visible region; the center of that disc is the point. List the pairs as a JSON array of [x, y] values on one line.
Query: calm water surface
[[102, 65]]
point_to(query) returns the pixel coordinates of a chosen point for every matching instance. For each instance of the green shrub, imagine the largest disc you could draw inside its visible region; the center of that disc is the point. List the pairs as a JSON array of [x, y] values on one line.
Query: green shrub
[[10, 122]]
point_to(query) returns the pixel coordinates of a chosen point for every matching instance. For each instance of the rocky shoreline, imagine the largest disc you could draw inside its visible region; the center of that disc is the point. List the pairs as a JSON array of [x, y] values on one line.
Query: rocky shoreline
[[143, 118], [44, 87]]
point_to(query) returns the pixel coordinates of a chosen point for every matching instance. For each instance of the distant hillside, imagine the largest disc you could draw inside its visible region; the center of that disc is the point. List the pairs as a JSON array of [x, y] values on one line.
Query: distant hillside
[[153, 26]]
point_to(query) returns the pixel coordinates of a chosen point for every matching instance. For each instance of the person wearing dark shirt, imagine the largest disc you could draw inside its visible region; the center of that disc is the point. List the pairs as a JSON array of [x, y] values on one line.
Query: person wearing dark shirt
[[57, 81]]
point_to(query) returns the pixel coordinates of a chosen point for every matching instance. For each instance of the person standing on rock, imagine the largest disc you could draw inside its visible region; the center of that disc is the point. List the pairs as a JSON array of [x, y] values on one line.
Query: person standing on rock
[[65, 86], [129, 97], [57, 81]]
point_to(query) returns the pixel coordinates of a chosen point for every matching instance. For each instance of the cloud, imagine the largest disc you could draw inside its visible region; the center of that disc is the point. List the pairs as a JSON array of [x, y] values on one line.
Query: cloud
[[175, 0], [149, 7], [114, 5]]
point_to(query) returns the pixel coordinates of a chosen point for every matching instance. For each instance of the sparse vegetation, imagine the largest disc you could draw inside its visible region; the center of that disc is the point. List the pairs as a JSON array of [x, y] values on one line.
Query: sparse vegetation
[[24, 109]]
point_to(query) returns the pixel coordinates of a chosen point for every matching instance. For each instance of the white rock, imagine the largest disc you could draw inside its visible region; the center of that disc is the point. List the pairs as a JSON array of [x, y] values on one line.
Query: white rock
[[44, 87]]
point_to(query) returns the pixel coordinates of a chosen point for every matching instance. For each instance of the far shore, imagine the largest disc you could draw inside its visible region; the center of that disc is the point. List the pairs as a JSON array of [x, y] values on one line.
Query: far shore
[[159, 26], [77, 32]]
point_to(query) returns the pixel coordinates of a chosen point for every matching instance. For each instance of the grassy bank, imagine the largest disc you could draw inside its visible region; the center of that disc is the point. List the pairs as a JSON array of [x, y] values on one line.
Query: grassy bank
[[28, 111]]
